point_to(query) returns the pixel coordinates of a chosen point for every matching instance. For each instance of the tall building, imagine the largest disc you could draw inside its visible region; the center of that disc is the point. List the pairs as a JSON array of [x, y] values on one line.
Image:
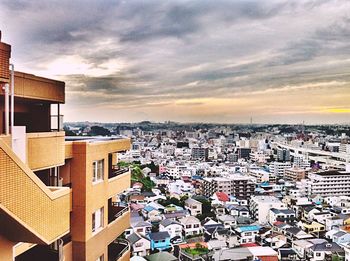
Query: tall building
[[60, 199], [329, 183], [200, 153], [236, 185], [278, 169], [283, 155]]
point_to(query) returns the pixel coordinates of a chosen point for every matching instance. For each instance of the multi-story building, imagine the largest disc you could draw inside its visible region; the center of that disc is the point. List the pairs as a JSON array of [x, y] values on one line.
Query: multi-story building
[[295, 174], [329, 183], [301, 161], [278, 168], [59, 197], [283, 155], [260, 206], [236, 185], [200, 153]]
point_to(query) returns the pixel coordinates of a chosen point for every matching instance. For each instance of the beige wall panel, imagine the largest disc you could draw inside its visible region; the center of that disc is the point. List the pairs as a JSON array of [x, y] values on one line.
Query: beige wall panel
[[45, 149]]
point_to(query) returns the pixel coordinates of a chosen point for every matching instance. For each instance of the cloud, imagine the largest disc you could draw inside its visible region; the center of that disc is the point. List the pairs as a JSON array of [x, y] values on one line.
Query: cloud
[[162, 56]]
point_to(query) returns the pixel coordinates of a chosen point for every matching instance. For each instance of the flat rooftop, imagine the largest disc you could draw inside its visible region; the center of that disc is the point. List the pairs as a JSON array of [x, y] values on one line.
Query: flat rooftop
[[93, 138]]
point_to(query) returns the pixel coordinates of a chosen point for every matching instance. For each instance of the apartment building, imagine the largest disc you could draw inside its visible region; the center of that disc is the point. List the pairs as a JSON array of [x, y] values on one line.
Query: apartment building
[[236, 185], [295, 174], [283, 155], [200, 153], [260, 206], [329, 183], [278, 168], [60, 197]]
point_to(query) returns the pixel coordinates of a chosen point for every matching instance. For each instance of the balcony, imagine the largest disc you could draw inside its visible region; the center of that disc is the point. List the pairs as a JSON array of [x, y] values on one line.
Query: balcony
[[115, 210], [119, 183], [45, 149], [117, 249], [116, 171]]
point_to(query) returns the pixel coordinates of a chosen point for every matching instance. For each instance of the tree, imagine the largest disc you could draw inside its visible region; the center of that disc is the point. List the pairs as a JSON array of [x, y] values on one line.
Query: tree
[[99, 131]]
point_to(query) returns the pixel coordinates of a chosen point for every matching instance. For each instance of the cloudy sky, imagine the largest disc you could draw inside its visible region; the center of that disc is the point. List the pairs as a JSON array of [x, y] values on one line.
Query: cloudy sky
[[280, 61]]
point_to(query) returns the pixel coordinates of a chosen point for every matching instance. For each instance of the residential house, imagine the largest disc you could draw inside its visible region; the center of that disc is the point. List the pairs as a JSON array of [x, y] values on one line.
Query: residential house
[[227, 220], [140, 244], [160, 240], [237, 210], [193, 206], [174, 228], [191, 226], [282, 215], [312, 227], [247, 234], [325, 251]]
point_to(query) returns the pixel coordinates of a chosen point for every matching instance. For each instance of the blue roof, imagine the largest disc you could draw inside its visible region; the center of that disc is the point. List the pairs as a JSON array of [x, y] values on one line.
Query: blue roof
[[148, 208], [248, 228], [197, 177]]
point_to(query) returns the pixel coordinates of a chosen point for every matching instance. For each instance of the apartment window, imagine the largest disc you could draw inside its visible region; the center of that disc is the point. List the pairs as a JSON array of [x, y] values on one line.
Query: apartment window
[[97, 220], [188, 226], [97, 170], [196, 225], [101, 258], [140, 244]]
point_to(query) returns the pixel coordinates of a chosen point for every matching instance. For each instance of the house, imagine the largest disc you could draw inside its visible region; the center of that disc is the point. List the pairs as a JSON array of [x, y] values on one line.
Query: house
[[282, 215], [321, 217], [247, 234], [226, 235], [174, 228], [286, 254], [233, 254], [325, 251], [138, 199], [161, 256], [220, 198], [334, 222], [295, 233], [227, 220], [140, 244], [191, 226], [193, 206], [142, 227], [237, 210], [312, 227], [210, 227], [160, 240], [275, 241], [216, 244], [339, 237], [263, 253]]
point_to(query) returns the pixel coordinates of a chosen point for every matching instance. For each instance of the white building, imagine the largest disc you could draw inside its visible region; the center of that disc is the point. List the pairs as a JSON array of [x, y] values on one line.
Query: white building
[[191, 226], [173, 227], [260, 206], [278, 168], [329, 183]]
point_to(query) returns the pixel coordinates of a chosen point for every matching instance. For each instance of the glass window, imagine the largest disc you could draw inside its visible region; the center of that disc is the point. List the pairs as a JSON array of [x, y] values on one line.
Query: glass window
[[97, 170], [97, 220]]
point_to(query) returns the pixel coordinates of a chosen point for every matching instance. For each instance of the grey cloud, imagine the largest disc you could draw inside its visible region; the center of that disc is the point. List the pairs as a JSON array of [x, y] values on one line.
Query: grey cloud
[[246, 46]]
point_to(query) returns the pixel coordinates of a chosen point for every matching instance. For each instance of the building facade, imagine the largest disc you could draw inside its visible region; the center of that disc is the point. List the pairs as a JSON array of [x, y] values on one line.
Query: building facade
[[60, 199]]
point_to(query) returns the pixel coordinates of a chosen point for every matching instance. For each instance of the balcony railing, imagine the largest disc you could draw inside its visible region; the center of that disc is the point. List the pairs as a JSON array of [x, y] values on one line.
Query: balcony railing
[[115, 211], [117, 249], [116, 171]]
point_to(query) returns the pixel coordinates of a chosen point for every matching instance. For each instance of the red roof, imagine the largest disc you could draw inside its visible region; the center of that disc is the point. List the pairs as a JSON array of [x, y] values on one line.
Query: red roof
[[268, 258], [222, 196], [249, 245]]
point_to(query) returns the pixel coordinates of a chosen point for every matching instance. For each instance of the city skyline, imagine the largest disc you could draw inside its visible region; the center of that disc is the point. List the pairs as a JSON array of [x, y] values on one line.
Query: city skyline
[[188, 61]]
